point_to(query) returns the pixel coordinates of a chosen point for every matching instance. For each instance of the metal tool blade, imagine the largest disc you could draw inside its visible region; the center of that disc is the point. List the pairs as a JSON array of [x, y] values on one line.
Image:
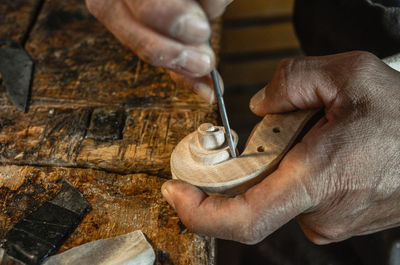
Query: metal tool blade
[[222, 111], [16, 69]]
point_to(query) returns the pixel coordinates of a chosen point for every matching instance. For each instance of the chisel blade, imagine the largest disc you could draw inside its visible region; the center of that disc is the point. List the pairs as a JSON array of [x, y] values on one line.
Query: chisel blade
[[222, 111]]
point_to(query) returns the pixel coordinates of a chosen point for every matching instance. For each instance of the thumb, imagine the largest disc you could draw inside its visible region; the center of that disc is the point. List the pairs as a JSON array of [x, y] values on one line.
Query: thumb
[[298, 83], [247, 218]]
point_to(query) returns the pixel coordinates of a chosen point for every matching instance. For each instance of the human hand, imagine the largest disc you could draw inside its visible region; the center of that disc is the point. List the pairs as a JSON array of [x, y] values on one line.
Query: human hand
[[172, 34], [341, 180]]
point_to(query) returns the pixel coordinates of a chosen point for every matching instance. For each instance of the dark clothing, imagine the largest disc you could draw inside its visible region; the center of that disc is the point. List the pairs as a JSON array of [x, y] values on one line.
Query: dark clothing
[[289, 246], [333, 26]]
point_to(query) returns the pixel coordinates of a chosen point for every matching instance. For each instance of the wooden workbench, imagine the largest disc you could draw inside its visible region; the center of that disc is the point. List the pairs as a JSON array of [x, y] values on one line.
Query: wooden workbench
[[101, 118]]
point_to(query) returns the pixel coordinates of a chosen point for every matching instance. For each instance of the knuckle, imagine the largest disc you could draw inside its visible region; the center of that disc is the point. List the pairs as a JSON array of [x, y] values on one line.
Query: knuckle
[[364, 56], [147, 51], [363, 64], [94, 7], [247, 228], [248, 235], [283, 76], [286, 64], [318, 240], [144, 53], [250, 240], [322, 232], [153, 57], [364, 69], [330, 233], [249, 232], [188, 220], [285, 68]]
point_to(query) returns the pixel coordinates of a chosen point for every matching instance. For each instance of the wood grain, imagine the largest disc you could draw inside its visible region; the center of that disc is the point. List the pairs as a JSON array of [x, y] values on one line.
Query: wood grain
[[121, 204], [16, 18], [270, 141], [57, 136]]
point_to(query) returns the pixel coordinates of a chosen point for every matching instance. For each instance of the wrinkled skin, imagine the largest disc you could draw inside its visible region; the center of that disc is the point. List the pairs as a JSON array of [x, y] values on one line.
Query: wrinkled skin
[[341, 180], [173, 34]]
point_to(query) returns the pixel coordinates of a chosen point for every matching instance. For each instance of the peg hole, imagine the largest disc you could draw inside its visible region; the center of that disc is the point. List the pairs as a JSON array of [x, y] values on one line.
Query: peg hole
[[260, 149], [276, 130]]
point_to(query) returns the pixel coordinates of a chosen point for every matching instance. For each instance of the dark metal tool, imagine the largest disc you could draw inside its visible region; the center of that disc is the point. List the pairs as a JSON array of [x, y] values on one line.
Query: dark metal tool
[[42, 232], [16, 68], [222, 111]]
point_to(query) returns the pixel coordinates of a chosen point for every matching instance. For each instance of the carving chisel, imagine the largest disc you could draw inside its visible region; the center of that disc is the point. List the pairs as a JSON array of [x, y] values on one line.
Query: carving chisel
[[222, 111]]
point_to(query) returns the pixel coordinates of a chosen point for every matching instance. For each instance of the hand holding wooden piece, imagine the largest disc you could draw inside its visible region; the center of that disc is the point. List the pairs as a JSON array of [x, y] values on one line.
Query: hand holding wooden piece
[[202, 158]]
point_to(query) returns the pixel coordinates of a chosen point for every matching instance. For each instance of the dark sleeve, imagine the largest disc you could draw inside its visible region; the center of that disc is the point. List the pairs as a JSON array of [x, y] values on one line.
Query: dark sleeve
[[333, 26]]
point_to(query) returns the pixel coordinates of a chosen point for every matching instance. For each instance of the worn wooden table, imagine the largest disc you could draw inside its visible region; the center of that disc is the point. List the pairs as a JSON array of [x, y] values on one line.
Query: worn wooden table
[[102, 119]]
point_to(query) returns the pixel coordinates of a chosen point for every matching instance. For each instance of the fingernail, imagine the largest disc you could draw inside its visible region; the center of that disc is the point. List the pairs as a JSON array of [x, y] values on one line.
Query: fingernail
[[192, 27], [205, 92], [257, 99], [166, 192], [194, 63]]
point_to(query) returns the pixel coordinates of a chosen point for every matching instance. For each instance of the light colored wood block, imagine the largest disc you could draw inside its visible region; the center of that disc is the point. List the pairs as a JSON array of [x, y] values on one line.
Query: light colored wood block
[[268, 143]]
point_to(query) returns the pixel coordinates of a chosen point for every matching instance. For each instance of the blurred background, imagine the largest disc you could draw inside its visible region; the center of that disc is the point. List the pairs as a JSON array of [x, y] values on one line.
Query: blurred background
[[256, 35]]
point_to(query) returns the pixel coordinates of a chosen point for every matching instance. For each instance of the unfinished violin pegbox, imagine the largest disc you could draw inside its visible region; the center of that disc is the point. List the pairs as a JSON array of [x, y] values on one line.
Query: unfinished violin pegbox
[[203, 159], [208, 145]]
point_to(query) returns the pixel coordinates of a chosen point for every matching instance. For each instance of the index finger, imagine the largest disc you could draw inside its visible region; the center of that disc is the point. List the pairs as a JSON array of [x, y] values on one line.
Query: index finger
[[183, 20]]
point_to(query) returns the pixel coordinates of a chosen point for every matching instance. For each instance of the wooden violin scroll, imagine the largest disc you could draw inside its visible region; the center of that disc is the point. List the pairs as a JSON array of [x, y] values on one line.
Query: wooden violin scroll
[[202, 158]]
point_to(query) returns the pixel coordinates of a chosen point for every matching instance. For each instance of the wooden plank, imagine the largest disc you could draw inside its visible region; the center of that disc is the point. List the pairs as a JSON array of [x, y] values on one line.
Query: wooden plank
[[42, 135], [271, 38], [245, 9], [16, 17], [59, 137], [120, 204], [148, 140]]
